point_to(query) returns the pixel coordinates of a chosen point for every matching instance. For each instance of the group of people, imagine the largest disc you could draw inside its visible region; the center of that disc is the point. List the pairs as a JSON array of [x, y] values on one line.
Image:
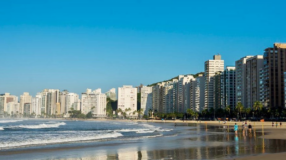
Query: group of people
[[245, 127]]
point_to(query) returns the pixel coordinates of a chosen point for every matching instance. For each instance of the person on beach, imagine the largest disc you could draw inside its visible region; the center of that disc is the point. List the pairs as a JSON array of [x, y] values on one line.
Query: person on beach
[[272, 124], [280, 124], [276, 124], [235, 128], [250, 128]]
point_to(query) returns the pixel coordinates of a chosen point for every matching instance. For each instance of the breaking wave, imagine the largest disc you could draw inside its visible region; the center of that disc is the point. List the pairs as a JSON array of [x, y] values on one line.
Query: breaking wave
[[10, 121], [57, 140]]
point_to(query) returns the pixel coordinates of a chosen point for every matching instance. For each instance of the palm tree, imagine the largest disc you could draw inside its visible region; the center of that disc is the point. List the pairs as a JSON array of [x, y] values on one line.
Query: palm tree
[[140, 112], [227, 109], [190, 112], [277, 113], [239, 108], [257, 106], [248, 111], [197, 115]]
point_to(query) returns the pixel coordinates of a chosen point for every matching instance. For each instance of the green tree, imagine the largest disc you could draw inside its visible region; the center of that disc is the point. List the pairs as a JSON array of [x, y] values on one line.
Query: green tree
[[89, 115], [239, 107], [257, 106]]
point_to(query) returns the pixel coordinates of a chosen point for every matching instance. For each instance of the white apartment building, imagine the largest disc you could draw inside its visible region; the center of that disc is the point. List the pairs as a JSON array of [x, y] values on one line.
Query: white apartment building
[[71, 101], [63, 95], [228, 88], [146, 99], [157, 100], [4, 100], [184, 92], [240, 80], [252, 89], [13, 108], [95, 102], [25, 103], [51, 101], [37, 104], [197, 93], [127, 100], [211, 67]]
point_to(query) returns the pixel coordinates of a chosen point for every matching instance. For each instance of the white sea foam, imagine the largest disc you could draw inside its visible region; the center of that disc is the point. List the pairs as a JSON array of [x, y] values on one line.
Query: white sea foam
[[10, 121], [39, 126], [57, 140], [1, 129]]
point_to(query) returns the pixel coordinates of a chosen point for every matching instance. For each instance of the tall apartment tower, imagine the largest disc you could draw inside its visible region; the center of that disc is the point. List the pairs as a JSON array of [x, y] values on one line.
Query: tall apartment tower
[[5, 99], [228, 88], [146, 99], [272, 76], [127, 100], [197, 93], [252, 89], [25, 100], [240, 80], [211, 67]]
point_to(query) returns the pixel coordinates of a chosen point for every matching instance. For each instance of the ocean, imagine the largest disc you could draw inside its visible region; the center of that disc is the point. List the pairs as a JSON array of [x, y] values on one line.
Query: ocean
[[28, 139]]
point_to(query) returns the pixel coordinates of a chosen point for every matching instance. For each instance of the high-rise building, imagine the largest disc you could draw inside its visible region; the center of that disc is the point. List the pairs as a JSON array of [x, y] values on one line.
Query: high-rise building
[[36, 105], [211, 67], [63, 96], [272, 77], [127, 100], [157, 97], [252, 89], [25, 101], [197, 93], [240, 80], [218, 90], [94, 102], [228, 86], [13, 108], [51, 97], [146, 99], [4, 100]]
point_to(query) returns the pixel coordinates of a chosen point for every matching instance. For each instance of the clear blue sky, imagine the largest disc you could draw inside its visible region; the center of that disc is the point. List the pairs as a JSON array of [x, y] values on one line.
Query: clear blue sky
[[79, 44]]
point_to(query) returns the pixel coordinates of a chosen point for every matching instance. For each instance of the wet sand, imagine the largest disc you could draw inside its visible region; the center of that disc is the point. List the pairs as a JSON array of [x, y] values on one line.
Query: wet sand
[[276, 156]]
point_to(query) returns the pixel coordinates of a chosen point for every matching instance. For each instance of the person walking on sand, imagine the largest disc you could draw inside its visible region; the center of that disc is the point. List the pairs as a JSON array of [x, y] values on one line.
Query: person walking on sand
[[235, 128], [280, 124], [250, 128], [272, 124], [276, 124]]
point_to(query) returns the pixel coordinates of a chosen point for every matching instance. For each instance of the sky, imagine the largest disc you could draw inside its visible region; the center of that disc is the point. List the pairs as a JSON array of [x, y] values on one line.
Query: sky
[[80, 44]]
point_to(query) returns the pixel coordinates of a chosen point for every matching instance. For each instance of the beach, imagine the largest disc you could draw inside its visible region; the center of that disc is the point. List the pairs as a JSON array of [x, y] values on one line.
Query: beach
[[139, 139]]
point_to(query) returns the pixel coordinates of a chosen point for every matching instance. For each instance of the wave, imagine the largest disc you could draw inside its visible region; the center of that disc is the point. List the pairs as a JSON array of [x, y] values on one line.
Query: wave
[[1, 128], [58, 140], [10, 121], [39, 126], [56, 125]]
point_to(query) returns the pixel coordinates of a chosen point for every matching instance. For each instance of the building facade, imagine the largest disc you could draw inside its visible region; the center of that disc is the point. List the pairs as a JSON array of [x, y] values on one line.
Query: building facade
[[127, 100], [146, 99], [272, 77], [211, 67]]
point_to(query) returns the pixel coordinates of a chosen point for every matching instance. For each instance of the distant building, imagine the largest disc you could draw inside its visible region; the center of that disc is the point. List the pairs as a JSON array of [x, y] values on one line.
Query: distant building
[[146, 99], [27, 109], [26, 98], [127, 100], [4, 100], [240, 80], [252, 89], [211, 67], [94, 102], [272, 77], [197, 93], [228, 94], [36, 105]]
